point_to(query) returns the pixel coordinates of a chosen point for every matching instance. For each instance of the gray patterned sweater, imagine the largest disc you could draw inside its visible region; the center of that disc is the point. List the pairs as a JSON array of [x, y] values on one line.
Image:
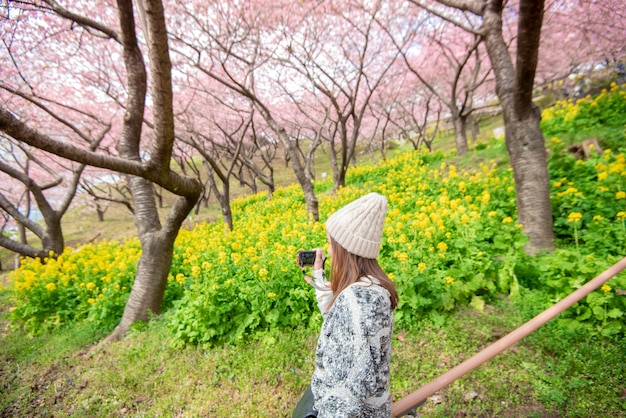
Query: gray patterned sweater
[[351, 377]]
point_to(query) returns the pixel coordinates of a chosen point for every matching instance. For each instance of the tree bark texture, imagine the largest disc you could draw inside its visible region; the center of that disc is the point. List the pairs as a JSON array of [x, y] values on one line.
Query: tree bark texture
[[148, 288], [157, 242], [296, 165], [524, 139], [460, 133]]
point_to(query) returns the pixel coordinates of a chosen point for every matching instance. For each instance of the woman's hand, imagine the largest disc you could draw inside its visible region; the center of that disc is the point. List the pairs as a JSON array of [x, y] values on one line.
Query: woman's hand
[[319, 259], [323, 291]]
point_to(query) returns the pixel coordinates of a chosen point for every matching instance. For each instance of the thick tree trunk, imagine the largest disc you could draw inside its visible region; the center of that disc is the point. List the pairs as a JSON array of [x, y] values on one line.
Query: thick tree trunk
[[528, 156], [305, 182], [100, 213], [227, 212], [53, 240], [334, 166], [460, 134], [339, 179], [474, 128], [157, 245], [22, 232], [307, 186], [223, 197], [148, 288], [524, 139]]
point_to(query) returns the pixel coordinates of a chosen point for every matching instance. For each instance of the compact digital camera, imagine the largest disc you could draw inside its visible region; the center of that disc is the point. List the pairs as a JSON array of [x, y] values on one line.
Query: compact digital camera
[[306, 258]]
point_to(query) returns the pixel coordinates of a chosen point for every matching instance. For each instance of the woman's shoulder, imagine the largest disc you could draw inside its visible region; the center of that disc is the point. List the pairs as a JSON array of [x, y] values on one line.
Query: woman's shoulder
[[367, 306], [364, 292]]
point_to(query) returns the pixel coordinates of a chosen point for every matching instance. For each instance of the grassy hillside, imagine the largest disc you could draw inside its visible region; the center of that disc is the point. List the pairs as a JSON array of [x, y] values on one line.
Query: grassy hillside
[[238, 337]]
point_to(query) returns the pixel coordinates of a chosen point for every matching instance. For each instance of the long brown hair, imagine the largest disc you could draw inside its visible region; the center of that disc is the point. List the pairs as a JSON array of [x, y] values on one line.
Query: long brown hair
[[348, 268]]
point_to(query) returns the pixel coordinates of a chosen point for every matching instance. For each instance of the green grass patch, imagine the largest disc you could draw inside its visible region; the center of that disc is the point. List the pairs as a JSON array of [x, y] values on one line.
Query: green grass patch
[[553, 372]]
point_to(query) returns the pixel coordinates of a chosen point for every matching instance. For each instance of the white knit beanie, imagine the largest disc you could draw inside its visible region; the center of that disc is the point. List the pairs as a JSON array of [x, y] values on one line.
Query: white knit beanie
[[358, 226]]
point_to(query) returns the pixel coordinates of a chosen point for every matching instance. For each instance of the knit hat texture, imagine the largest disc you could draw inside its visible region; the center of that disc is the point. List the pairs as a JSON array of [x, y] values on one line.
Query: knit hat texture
[[358, 226]]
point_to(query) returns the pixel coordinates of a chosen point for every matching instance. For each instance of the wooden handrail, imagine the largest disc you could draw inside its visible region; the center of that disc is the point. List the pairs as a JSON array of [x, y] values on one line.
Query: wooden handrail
[[404, 405]]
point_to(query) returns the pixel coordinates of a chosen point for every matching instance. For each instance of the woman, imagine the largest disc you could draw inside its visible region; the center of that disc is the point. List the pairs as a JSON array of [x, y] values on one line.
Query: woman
[[351, 377]]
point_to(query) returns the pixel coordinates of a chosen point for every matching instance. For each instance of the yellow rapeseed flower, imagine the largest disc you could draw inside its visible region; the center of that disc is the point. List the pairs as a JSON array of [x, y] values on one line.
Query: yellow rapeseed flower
[[442, 246], [421, 266], [507, 220], [568, 191], [574, 217], [180, 278], [449, 280], [195, 271], [401, 256], [50, 287], [620, 195], [271, 295], [621, 216], [605, 288]]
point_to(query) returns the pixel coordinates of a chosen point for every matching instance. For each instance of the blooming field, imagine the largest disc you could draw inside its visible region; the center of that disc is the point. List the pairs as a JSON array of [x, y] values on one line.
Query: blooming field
[[90, 283], [450, 238], [604, 114], [442, 231]]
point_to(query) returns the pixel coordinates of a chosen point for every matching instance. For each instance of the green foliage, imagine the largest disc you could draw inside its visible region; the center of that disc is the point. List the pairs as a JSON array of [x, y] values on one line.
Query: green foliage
[[560, 273], [450, 240], [86, 284], [589, 207], [595, 190], [603, 115]]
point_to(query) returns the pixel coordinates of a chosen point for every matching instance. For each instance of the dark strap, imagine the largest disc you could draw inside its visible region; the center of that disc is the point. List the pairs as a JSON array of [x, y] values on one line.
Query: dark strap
[[304, 409]]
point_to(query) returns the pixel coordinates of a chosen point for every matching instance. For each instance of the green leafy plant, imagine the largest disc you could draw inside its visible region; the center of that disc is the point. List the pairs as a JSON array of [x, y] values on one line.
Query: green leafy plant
[[450, 239]]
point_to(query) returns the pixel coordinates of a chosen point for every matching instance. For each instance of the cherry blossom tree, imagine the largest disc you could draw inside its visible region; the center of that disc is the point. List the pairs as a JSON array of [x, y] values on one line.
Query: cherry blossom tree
[[579, 36], [415, 121], [33, 181], [232, 45], [105, 190], [258, 158], [341, 58], [53, 48], [449, 63], [514, 87], [220, 145]]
